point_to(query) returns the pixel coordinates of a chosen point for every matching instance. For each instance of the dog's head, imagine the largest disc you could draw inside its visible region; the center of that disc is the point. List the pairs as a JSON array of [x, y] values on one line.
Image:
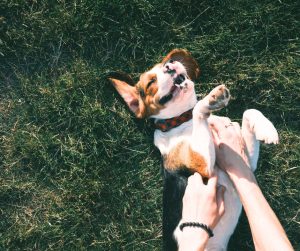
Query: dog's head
[[166, 90]]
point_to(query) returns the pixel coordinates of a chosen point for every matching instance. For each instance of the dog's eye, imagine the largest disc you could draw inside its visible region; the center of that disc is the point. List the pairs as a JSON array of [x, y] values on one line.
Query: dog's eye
[[170, 61], [151, 82], [142, 93]]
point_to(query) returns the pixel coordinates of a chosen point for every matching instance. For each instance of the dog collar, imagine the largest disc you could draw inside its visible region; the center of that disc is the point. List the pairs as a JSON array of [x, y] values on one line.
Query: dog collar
[[166, 125]]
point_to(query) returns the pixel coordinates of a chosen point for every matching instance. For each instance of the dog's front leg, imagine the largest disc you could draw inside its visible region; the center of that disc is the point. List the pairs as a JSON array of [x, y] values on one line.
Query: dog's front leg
[[201, 141]]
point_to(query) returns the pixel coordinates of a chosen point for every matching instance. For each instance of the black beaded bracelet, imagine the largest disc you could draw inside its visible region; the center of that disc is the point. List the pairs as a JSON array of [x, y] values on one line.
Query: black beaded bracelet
[[197, 224]]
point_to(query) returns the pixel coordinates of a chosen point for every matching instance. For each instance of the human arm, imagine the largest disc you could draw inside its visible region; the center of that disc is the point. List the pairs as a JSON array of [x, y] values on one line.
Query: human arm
[[201, 203], [267, 232]]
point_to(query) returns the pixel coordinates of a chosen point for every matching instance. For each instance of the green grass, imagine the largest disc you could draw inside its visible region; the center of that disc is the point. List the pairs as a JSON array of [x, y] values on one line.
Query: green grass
[[77, 170]]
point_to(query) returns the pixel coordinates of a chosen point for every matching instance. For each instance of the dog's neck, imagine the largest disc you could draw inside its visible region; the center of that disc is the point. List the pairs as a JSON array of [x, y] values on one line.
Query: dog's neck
[[181, 113], [166, 125]]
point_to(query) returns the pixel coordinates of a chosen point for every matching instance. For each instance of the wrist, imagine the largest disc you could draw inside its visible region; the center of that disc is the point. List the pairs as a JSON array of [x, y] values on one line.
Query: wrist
[[245, 184], [191, 238], [199, 234], [188, 224]]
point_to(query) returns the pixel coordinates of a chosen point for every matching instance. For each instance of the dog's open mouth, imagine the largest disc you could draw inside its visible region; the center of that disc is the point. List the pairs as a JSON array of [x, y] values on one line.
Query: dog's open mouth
[[174, 89], [179, 80]]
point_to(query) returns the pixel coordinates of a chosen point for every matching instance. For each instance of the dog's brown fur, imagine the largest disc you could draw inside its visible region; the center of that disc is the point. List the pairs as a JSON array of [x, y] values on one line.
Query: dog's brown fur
[[182, 156]]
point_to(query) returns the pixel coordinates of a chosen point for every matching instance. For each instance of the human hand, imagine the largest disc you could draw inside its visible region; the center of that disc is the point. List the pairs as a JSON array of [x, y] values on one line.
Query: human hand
[[203, 203], [230, 147]]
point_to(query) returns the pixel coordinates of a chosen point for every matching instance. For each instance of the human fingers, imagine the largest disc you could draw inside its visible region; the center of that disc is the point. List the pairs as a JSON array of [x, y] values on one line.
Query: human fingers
[[193, 185], [218, 123], [237, 127], [212, 181], [238, 132], [221, 134], [225, 129], [195, 179], [242, 145], [218, 119]]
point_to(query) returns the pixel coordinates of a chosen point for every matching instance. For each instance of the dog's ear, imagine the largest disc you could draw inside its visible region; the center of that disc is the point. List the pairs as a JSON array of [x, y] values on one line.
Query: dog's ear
[[129, 94], [186, 59]]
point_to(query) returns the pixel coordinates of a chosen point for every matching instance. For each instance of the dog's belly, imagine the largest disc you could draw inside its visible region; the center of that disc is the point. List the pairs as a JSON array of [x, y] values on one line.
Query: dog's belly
[[228, 222]]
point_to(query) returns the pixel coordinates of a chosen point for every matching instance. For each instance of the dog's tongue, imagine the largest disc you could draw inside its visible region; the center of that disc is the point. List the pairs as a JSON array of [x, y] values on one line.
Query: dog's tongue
[[173, 89]]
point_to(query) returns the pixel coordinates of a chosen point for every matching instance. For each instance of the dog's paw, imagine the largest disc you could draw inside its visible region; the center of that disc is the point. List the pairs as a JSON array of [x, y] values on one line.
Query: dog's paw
[[215, 100], [266, 132], [260, 126], [218, 98]]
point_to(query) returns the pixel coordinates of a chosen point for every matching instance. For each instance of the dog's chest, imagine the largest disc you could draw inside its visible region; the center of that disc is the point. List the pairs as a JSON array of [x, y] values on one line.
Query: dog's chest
[[177, 154], [166, 141]]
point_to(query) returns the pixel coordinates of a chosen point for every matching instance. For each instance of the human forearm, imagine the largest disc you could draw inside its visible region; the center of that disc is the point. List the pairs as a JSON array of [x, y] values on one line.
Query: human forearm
[[266, 229]]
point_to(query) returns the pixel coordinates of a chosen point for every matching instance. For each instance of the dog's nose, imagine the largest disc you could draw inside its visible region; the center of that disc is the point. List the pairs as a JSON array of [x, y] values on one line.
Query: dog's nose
[[169, 68]]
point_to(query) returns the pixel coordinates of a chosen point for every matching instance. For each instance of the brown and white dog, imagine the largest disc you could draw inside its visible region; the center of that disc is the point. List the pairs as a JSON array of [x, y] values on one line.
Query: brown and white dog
[[166, 93]]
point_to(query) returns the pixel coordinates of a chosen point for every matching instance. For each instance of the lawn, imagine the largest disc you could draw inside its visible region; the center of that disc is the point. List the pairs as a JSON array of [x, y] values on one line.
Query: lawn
[[77, 170]]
